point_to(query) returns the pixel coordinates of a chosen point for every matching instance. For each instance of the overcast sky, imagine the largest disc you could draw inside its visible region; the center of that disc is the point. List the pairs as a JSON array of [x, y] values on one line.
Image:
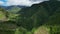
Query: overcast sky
[[19, 2]]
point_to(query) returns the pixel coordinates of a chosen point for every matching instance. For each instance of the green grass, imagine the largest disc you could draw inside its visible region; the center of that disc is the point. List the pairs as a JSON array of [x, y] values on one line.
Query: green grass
[[2, 16]]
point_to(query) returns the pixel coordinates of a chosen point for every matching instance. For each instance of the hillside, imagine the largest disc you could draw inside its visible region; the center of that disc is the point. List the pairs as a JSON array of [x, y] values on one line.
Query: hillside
[[14, 9], [45, 13], [44, 17]]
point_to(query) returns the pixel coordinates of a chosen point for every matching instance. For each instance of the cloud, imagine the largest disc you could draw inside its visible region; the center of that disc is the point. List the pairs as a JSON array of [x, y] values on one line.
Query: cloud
[[1, 2], [23, 2], [39, 0], [19, 2]]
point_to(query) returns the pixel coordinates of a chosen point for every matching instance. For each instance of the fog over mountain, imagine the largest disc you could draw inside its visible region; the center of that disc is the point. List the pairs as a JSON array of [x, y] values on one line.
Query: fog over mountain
[[19, 2]]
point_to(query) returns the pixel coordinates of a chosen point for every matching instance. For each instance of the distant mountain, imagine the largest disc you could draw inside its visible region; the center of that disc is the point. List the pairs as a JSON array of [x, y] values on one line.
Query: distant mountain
[[14, 9], [9, 7]]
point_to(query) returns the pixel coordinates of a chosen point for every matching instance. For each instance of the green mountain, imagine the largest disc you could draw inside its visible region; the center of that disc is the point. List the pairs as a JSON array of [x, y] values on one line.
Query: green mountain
[[39, 17], [39, 14], [14, 9]]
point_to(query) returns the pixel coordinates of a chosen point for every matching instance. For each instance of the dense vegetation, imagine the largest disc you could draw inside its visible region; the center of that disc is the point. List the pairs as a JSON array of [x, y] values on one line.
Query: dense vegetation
[[31, 19]]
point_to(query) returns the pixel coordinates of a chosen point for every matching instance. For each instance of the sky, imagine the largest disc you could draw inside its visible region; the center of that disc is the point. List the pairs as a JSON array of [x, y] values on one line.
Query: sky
[[20, 2]]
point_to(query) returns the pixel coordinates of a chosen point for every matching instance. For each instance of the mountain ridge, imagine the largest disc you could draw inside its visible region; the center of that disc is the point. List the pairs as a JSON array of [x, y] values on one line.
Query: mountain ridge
[[9, 7]]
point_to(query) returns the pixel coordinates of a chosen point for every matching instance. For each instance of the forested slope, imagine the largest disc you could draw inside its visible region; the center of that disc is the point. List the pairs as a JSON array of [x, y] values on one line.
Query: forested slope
[[30, 19]]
